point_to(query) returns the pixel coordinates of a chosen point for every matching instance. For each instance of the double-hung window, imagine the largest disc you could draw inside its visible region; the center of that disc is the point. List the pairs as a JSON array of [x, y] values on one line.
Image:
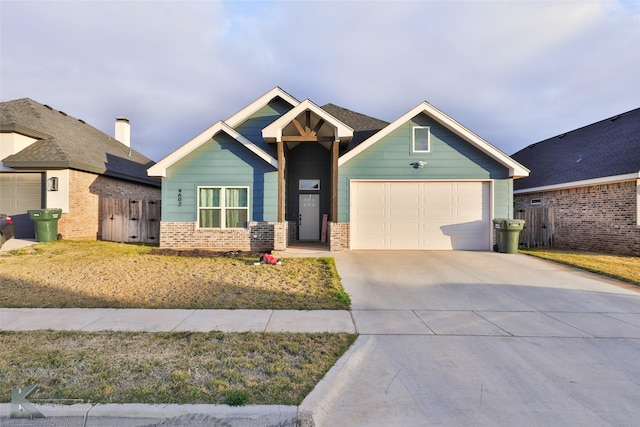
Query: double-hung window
[[223, 207], [421, 139]]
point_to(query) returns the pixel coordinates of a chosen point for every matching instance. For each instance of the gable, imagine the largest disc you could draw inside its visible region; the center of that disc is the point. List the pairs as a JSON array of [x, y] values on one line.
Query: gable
[[317, 123], [449, 157], [246, 120], [515, 169]]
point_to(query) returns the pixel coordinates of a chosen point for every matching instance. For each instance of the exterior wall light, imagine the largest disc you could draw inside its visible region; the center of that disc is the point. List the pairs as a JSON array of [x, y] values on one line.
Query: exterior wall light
[[52, 184]]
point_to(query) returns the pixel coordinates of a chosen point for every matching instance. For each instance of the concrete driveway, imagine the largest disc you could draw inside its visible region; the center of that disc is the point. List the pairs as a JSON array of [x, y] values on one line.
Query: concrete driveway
[[481, 338]]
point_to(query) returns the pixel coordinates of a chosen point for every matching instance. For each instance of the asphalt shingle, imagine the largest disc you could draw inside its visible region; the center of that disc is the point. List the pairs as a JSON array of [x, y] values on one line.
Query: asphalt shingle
[[609, 147], [66, 142]]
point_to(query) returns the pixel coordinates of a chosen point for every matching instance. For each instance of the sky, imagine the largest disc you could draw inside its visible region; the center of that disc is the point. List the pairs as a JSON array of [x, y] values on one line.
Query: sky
[[514, 72]]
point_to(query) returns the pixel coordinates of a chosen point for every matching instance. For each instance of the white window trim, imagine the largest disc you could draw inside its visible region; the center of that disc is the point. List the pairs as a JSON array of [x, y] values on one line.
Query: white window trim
[[413, 139], [222, 208]]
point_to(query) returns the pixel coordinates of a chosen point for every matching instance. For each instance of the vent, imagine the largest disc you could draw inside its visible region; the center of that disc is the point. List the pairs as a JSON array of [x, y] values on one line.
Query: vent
[[613, 119], [562, 136], [48, 107], [62, 112], [82, 121]]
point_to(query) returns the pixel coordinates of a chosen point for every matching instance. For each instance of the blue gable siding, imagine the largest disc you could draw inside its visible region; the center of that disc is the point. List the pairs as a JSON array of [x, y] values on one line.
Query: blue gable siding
[[252, 127], [450, 157], [220, 161]]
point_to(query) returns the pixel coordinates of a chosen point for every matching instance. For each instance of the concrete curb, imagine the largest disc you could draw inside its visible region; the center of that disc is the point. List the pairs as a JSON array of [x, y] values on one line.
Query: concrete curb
[[319, 402], [171, 415]]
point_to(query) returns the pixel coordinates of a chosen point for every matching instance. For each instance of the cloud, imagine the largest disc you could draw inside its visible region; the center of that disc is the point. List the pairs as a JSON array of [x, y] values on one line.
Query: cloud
[[514, 72]]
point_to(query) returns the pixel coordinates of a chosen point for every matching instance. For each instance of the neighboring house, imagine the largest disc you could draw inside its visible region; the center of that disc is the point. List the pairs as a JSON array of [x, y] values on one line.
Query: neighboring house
[[281, 171], [589, 179], [51, 160]]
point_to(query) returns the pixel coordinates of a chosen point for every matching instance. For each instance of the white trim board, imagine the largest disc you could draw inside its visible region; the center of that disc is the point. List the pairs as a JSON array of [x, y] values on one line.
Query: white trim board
[[583, 183]]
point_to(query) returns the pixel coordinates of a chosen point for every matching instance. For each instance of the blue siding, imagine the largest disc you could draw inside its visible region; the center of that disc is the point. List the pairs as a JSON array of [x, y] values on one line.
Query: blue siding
[[220, 161], [252, 127], [450, 157]]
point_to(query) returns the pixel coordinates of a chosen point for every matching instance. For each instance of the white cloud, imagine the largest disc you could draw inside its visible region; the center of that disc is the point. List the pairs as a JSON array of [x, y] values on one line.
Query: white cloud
[[514, 72]]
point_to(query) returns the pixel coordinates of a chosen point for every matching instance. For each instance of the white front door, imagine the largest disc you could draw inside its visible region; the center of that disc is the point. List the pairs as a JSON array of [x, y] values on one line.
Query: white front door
[[309, 219]]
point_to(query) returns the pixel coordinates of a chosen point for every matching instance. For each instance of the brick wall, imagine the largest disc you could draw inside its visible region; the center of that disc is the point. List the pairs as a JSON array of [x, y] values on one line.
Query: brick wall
[[600, 218], [259, 236], [83, 221], [339, 236]]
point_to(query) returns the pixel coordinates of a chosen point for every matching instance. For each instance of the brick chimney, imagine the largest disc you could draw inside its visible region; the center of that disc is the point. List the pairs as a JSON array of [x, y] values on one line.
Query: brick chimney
[[123, 131]]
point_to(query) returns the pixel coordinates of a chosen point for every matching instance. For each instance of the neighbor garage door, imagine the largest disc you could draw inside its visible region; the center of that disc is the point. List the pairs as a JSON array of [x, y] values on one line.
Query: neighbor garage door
[[20, 192], [420, 215]]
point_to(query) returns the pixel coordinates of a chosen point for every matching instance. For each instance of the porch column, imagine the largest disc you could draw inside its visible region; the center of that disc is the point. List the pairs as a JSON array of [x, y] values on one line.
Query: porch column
[[281, 183], [335, 148]]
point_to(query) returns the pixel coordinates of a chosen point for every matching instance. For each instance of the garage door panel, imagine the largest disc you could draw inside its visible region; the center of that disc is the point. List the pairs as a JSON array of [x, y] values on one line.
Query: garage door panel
[[420, 215]]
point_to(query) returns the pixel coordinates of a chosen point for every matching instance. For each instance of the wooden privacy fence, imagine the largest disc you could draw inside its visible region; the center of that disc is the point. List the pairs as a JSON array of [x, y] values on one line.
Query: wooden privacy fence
[[125, 220], [538, 226]]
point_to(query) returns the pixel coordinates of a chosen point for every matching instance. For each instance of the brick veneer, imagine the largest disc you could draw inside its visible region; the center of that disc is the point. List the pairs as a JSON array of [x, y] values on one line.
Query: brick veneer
[[339, 236], [83, 221], [259, 236], [602, 218]]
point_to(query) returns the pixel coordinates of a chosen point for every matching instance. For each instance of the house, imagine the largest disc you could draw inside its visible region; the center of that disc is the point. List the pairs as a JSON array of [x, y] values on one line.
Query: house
[[589, 180], [282, 171], [49, 159]]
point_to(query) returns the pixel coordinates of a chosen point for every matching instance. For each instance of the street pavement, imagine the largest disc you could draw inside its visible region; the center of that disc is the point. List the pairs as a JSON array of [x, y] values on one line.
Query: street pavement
[[446, 338]]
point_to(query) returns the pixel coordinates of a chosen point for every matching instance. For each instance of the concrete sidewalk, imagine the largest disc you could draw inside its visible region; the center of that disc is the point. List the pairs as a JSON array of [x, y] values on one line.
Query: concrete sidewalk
[[161, 320]]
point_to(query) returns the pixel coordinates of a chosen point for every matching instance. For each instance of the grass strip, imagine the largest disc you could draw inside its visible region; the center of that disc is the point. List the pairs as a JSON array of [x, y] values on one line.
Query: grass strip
[[621, 267], [96, 274], [156, 368]]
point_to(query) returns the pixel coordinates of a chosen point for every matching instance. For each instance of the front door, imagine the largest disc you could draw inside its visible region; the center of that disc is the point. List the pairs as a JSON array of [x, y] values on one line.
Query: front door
[[309, 218]]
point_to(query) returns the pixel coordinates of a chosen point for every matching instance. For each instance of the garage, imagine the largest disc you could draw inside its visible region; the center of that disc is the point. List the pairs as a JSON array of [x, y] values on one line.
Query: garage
[[420, 215], [20, 192]]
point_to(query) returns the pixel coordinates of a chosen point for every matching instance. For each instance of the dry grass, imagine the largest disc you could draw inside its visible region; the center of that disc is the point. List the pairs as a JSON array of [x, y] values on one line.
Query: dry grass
[[213, 368], [105, 274], [626, 268]]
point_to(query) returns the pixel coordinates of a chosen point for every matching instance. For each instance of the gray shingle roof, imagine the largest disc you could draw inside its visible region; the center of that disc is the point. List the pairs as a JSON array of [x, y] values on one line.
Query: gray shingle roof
[[362, 125], [606, 148], [66, 142]]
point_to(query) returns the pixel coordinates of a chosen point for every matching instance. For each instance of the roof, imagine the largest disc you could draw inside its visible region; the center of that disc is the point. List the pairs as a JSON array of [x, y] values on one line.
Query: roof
[[607, 148], [363, 126], [66, 142], [273, 132], [516, 170]]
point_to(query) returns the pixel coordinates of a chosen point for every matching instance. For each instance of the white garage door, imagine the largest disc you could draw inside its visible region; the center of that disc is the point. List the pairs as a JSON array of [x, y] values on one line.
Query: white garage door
[[420, 215]]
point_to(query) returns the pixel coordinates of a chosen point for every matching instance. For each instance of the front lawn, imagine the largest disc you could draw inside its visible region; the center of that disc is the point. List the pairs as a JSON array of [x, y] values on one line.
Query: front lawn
[[95, 274], [620, 267], [138, 367]]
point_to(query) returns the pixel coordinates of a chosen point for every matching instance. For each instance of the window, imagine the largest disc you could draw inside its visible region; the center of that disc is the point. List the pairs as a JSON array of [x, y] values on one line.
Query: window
[[309, 184], [536, 202], [421, 139], [223, 207]]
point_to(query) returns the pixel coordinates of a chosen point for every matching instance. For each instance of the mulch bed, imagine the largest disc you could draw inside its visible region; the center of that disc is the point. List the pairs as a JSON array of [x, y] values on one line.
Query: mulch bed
[[205, 253]]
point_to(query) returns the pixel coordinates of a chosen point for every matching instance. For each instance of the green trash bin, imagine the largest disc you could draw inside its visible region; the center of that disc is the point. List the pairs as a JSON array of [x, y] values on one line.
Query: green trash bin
[[508, 234], [46, 223], [498, 226]]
